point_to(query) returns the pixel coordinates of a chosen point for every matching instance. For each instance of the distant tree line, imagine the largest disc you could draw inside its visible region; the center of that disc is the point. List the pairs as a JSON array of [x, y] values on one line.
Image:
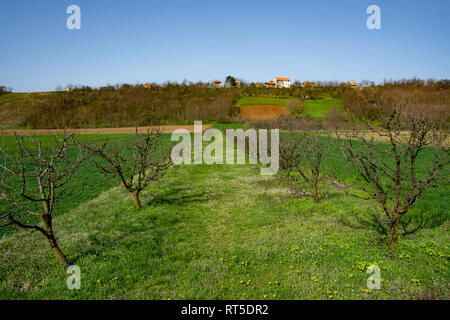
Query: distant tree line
[[169, 103], [5, 90], [133, 105], [376, 103]]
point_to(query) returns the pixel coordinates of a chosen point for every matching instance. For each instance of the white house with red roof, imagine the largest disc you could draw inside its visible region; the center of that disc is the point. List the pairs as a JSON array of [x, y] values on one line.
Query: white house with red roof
[[282, 82]]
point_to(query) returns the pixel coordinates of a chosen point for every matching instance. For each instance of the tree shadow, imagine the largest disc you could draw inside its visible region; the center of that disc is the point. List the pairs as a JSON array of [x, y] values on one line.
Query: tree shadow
[[179, 195], [375, 220]]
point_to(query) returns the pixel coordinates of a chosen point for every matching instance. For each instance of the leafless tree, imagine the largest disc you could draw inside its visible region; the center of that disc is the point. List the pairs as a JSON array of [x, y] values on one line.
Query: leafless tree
[[295, 107], [386, 161], [145, 162], [309, 163], [304, 153], [32, 176], [289, 149]]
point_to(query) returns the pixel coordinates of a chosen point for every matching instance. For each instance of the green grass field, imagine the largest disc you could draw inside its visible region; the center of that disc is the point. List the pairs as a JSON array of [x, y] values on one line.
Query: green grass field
[[249, 101], [86, 184], [319, 108], [222, 232]]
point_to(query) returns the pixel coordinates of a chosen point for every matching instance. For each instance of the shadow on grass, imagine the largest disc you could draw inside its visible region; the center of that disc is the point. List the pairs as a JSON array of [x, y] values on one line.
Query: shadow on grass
[[178, 195], [375, 220]]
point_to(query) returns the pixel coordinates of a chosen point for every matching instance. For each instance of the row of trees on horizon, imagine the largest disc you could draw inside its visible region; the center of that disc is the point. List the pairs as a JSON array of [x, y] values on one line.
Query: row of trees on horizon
[[175, 103], [230, 82]]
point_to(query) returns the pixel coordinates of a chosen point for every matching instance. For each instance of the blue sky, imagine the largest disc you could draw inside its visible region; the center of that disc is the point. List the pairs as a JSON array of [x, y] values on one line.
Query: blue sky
[[138, 41]]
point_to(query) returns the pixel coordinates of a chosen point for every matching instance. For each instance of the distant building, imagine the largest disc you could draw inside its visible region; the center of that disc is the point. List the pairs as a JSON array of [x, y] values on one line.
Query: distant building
[[217, 84], [237, 83], [147, 85], [352, 83], [66, 89], [433, 83], [270, 84], [308, 83], [282, 82]]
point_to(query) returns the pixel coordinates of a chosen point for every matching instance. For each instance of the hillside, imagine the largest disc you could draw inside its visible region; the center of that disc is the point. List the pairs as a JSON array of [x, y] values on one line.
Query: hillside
[[15, 107]]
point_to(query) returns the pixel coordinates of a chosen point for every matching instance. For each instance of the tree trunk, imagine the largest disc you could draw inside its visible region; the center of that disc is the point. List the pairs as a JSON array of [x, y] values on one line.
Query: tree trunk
[[137, 202], [393, 234], [58, 253], [48, 227], [316, 192], [288, 172]]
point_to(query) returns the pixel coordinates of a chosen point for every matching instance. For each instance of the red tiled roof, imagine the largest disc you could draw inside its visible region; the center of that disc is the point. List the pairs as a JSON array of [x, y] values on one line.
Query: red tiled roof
[[270, 82], [218, 81], [282, 79]]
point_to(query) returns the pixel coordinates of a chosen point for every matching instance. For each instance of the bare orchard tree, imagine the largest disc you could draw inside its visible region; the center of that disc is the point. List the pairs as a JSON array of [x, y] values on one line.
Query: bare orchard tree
[[304, 153], [137, 164], [31, 178], [309, 163], [289, 151], [413, 158]]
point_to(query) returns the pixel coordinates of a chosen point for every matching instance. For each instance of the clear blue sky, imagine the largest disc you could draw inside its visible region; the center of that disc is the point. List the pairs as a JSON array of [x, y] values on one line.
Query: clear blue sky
[[138, 41]]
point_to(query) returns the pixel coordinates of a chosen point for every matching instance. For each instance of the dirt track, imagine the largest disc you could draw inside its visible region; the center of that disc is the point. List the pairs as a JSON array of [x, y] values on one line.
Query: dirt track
[[163, 129], [261, 112]]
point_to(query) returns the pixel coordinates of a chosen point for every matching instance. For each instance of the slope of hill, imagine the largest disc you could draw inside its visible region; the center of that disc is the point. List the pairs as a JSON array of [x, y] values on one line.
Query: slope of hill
[[14, 107]]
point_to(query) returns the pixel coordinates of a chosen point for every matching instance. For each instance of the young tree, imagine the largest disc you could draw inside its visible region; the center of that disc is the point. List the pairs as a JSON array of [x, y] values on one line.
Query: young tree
[[289, 152], [32, 176], [390, 172], [295, 107], [309, 163], [145, 162], [304, 153]]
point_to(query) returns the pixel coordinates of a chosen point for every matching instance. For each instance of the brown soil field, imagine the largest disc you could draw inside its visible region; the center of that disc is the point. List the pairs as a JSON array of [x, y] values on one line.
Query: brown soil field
[[261, 112], [162, 129]]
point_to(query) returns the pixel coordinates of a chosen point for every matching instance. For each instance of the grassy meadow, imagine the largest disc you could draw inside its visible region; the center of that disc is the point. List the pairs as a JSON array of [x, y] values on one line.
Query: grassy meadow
[[86, 184], [261, 100], [222, 232], [318, 108]]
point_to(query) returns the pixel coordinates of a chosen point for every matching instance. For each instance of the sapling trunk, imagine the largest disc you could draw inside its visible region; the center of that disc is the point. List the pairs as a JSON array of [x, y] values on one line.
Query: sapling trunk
[[288, 173], [393, 234], [315, 192], [48, 228], [136, 200]]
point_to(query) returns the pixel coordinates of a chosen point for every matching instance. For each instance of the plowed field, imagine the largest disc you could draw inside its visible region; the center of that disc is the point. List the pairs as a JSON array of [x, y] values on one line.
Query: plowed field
[[261, 112]]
